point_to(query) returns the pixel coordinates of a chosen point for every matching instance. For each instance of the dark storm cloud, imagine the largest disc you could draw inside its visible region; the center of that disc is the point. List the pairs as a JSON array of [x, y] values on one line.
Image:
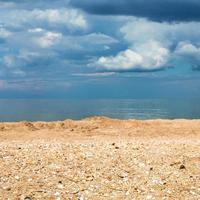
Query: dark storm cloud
[[158, 10]]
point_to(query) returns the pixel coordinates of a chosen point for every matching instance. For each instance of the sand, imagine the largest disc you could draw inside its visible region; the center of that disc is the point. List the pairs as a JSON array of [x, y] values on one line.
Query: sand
[[100, 158]]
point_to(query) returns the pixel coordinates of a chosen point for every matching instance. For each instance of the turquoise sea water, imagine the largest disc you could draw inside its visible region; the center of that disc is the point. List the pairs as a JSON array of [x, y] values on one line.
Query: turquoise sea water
[[50, 110]]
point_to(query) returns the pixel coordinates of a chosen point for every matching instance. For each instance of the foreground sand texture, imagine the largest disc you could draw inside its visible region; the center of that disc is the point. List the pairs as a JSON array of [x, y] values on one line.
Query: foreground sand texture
[[100, 158]]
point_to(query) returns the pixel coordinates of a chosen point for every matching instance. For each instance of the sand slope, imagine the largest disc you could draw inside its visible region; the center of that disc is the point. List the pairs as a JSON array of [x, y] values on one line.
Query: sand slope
[[100, 158]]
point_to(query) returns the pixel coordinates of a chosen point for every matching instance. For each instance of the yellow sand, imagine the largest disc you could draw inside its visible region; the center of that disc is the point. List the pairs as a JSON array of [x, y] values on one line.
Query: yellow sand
[[100, 158]]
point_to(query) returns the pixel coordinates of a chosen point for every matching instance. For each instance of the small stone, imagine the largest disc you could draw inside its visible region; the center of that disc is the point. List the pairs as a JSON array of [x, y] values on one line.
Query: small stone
[[27, 198], [57, 194], [182, 167], [7, 188], [157, 182], [80, 197], [151, 169], [60, 186], [17, 177], [192, 192], [149, 197]]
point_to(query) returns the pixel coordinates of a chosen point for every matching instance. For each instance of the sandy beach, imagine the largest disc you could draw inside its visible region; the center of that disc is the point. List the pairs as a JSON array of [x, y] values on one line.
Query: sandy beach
[[100, 158]]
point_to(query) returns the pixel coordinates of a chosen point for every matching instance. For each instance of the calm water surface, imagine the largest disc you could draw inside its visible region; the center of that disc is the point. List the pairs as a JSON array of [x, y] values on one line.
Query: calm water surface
[[49, 110]]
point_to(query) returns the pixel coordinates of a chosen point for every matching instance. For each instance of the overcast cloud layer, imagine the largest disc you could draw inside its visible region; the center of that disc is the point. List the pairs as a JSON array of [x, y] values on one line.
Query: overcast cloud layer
[[77, 42], [165, 10]]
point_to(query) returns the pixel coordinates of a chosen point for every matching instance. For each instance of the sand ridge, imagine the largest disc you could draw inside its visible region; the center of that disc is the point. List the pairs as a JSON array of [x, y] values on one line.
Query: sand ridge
[[99, 126]]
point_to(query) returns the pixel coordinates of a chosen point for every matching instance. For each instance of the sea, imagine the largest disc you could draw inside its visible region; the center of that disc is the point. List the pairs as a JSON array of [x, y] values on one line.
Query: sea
[[12, 110]]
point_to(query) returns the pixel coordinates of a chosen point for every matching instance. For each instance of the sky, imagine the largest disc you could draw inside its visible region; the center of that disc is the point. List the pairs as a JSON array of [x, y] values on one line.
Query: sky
[[99, 49]]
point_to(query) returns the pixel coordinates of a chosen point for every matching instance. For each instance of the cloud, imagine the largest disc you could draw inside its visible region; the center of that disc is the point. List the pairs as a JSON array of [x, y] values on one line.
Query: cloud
[[96, 74], [169, 34], [33, 85], [9, 65], [153, 46], [157, 10], [148, 57], [5, 5], [189, 53], [48, 39], [68, 17], [185, 48], [125, 60], [4, 33], [99, 38], [43, 52], [65, 17]]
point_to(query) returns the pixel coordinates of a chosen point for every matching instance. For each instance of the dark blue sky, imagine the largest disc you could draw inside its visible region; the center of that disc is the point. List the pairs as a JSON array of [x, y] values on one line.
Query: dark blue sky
[[100, 49]]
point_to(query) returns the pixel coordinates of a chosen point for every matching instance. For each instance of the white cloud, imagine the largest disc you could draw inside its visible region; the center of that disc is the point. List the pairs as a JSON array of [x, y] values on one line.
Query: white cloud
[[149, 56], [151, 45], [48, 39], [69, 17], [124, 60], [10, 64], [98, 38], [36, 30], [26, 55], [98, 74], [8, 61], [189, 53], [140, 31], [66, 17], [185, 48], [4, 33], [155, 56]]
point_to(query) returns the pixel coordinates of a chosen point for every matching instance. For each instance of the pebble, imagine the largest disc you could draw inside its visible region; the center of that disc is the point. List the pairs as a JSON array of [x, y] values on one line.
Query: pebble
[[7, 188], [157, 181], [17, 177], [57, 194], [27, 198], [60, 186], [80, 197], [182, 167], [149, 197], [105, 169]]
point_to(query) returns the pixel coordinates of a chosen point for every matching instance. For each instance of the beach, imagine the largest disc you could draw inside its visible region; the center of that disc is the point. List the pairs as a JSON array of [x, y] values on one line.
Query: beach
[[100, 158]]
